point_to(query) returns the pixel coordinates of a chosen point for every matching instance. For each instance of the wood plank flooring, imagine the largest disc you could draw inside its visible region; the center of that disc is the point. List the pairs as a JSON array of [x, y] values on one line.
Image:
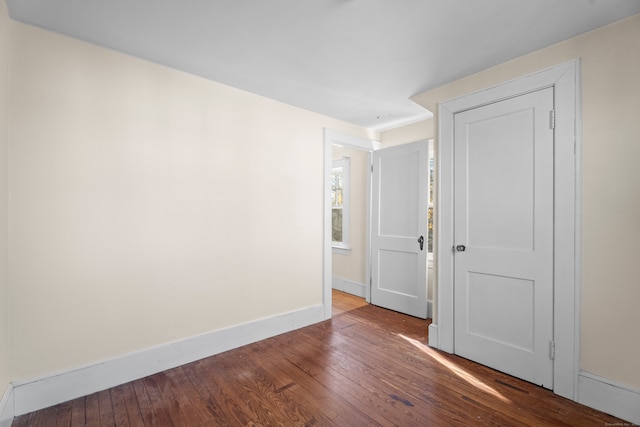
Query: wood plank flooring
[[366, 366]]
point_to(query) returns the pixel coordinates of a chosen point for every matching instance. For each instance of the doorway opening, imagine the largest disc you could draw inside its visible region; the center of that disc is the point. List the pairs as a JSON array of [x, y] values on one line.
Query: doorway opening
[[346, 233], [350, 175], [387, 194]]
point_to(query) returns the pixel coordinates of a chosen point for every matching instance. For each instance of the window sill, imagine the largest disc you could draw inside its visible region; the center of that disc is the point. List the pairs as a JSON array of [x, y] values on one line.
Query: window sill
[[341, 250]]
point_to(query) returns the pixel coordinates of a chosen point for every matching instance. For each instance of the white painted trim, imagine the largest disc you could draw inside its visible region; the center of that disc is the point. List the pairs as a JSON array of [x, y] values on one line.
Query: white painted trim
[[7, 407], [430, 272], [332, 137], [565, 79], [340, 251], [349, 286], [610, 397], [578, 230], [444, 220], [433, 336], [60, 387]]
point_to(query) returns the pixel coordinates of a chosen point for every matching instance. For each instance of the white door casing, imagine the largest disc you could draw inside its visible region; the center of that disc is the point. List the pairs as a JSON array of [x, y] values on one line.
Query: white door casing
[[503, 231], [564, 79], [399, 228]]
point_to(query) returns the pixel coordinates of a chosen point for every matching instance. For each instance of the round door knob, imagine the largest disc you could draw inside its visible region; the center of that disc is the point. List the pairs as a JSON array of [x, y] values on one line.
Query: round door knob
[[461, 248]]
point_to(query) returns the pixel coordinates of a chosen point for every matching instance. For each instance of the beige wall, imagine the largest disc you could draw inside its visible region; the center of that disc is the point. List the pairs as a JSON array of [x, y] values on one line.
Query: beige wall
[[4, 286], [150, 205], [353, 266], [405, 134], [611, 203]]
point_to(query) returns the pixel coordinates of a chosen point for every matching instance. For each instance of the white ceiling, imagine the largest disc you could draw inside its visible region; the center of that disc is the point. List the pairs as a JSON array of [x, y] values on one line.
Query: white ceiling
[[355, 60]]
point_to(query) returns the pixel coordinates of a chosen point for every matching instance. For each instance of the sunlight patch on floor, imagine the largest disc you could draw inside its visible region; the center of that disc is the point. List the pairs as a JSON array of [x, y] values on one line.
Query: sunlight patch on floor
[[455, 368]]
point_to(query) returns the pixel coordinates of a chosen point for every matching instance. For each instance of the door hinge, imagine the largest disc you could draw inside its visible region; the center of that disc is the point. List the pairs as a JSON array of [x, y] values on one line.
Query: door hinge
[[552, 119], [552, 350]]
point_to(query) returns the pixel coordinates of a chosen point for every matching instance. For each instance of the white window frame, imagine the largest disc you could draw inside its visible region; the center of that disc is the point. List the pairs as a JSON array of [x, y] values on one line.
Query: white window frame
[[344, 246]]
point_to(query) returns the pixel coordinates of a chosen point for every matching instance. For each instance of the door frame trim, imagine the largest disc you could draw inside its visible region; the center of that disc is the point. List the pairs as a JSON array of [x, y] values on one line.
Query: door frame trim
[[332, 137], [565, 79]]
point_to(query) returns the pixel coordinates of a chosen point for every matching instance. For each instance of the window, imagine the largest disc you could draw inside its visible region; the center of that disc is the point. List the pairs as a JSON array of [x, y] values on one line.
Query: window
[[340, 204]]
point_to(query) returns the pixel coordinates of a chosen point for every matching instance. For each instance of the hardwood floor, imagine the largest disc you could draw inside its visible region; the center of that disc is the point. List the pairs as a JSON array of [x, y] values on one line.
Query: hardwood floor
[[366, 366], [343, 302]]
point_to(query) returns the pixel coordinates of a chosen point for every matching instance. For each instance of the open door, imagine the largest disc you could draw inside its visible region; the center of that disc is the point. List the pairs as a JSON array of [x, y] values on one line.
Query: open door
[[400, 198]]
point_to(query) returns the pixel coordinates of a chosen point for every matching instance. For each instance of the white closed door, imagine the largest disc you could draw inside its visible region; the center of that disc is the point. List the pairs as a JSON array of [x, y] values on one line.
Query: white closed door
[[503, 232], [399, 228]]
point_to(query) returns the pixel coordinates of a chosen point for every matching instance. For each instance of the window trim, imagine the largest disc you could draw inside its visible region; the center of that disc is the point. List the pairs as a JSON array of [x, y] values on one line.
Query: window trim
[[344, 247]]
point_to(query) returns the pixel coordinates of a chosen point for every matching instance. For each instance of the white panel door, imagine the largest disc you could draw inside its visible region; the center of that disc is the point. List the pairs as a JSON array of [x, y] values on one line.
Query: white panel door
[[399, 228], [503, 226]]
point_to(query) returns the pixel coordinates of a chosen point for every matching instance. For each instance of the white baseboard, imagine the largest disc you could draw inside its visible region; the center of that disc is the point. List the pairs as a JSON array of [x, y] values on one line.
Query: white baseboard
[[7, 407], [349, 286], [60, 387], [433, 336], [610, 397], [593, 391]]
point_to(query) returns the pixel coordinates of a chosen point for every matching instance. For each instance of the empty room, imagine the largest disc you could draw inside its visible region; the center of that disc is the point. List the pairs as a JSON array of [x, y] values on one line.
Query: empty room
[[325, 212]]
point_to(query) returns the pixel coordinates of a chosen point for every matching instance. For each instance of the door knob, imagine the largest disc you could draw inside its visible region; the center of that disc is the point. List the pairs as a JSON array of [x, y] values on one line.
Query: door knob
[[421, 241], [461, 248]]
